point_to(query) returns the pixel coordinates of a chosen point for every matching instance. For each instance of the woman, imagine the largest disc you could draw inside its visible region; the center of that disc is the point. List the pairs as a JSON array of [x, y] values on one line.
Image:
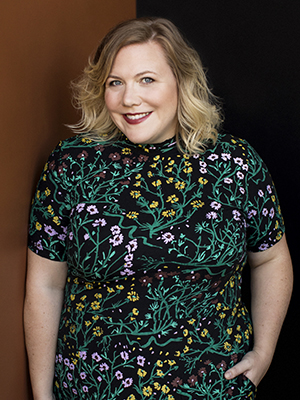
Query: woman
[[139, 232]]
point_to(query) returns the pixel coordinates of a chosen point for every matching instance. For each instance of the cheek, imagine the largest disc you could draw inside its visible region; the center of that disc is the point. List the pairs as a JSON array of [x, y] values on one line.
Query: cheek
[[110, 101]]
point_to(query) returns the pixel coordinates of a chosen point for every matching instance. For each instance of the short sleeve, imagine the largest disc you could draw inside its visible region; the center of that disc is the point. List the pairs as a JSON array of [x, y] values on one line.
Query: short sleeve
[[50, 210], [265, 225]]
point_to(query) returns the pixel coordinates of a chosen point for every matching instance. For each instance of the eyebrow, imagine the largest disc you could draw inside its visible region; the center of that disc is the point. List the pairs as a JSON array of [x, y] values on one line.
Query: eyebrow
[[137, 75]]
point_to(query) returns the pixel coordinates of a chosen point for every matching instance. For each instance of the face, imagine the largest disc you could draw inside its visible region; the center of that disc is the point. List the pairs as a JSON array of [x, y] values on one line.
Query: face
[[141, 94]]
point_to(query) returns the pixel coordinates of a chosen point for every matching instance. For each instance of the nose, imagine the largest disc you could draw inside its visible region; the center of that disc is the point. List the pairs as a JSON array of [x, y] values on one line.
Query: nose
[[131, 96]]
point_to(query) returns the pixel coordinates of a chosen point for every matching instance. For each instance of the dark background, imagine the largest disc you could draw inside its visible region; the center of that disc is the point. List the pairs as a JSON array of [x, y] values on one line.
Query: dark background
[[250, 50]]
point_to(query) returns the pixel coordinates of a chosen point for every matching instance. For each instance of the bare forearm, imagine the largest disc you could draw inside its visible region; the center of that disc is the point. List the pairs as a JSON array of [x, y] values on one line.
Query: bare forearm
[[41, 318], [271, 288]]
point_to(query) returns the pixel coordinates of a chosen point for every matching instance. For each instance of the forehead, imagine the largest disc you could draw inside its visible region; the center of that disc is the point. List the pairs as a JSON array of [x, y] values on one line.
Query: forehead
[[142, 56]]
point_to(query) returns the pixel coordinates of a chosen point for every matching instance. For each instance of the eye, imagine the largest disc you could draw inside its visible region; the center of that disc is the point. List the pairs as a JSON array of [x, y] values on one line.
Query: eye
[[114, 83], [147, 80]]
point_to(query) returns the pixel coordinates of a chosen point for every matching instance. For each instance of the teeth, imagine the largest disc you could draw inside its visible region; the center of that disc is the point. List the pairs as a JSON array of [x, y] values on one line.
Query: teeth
[[137, 116]]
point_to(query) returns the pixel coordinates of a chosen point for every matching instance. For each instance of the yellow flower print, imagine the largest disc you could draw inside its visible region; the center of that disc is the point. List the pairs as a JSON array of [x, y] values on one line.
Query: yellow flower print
[[172, 199], [84, 140], [95, 305], [50, 210], [250, 328], [153, 165], [157, 386], [133, 296], [135, 311], [227, 346], [168, 213], [56, 384], [177, 353], [165, 389], [38, 193], [98, 295], [238, 327], [138, 176], [47, 192], [110, 290], [159, 372], [154, 204], [156, 158], [169, 169], [246, 333], [171, 362], [149, 173], [132, 214], [97, 331], [191, 321], [87, 323], [273, 198], [279, 235], [222, 315], [72, 297], [190, 340], [56, 220], [44, 177], [38, 226], [89, 286], [141, 372], [197, 203], [185, 332], [170, 180], [131, 397], [147, 391], [159, 363], [238, 338], [80, 306], [188, 170], [180, 185], [219, 306], [126, 151], [73, 328], [203, 181], [120, 287], [137, 184], [156, 183], [186, 349], [171, 397], [233, 141], [135, 194], [95, 317], [229, 331], [83, 298], [204, 332]]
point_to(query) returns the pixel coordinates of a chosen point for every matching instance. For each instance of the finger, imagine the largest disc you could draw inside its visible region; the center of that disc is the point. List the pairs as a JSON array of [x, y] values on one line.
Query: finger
[[238, 369]]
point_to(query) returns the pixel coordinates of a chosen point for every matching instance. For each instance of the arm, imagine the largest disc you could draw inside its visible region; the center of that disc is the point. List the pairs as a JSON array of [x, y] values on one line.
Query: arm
[[271, 288], [43, 303]]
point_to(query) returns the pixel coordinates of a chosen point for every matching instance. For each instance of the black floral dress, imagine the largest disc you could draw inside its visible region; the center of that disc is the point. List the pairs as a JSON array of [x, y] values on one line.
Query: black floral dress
[[155, 242]]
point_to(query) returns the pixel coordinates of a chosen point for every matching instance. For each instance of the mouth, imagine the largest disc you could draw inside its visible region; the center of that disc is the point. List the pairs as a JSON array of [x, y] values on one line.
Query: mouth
[[136, 118]]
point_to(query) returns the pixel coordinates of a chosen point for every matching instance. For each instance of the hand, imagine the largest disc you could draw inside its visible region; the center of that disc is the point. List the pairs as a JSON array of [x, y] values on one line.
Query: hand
[[253, 365]]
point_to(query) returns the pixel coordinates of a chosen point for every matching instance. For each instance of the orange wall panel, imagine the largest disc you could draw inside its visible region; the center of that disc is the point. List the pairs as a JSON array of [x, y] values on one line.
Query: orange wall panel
[[44, 45]]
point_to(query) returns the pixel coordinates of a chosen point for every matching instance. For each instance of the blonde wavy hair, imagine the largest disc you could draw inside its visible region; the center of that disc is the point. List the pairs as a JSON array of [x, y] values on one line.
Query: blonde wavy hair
[[198, 113]]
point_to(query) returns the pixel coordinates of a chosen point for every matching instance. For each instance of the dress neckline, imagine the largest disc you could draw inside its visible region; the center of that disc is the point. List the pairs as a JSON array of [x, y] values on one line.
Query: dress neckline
[[148, 147]]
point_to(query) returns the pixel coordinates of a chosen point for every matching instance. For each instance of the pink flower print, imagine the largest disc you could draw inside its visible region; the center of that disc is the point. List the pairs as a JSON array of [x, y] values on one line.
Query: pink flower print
[[74, 391], [167, 237], [236, 215], [39, 245], [96, 357], [83, 355], [240, 175], [252, 213], [48, 229], [119, 375], [212, 215], [116, 240], [242, 190], [83, 154], [128, 257], [92, 210], [71, 235], [62, 237], [86, 236], [132, 246], [245, 167], [215, 205], [100, 222], [127, 272], [228, 180], [238, 161], [225, 156], [80, 207], [213, 157], [103, 367], [114, 156], [124, 355], [82, 375], [260, 193], [263, 246], [128, 264], [69, 376], [115, 230], [141, 360], [85, 389], [265, 212], [269, 189], [272, 213], [128, 382]]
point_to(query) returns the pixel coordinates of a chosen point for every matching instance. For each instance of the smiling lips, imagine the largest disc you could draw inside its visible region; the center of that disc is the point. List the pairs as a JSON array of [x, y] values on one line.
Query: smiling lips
[[134, 119]]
